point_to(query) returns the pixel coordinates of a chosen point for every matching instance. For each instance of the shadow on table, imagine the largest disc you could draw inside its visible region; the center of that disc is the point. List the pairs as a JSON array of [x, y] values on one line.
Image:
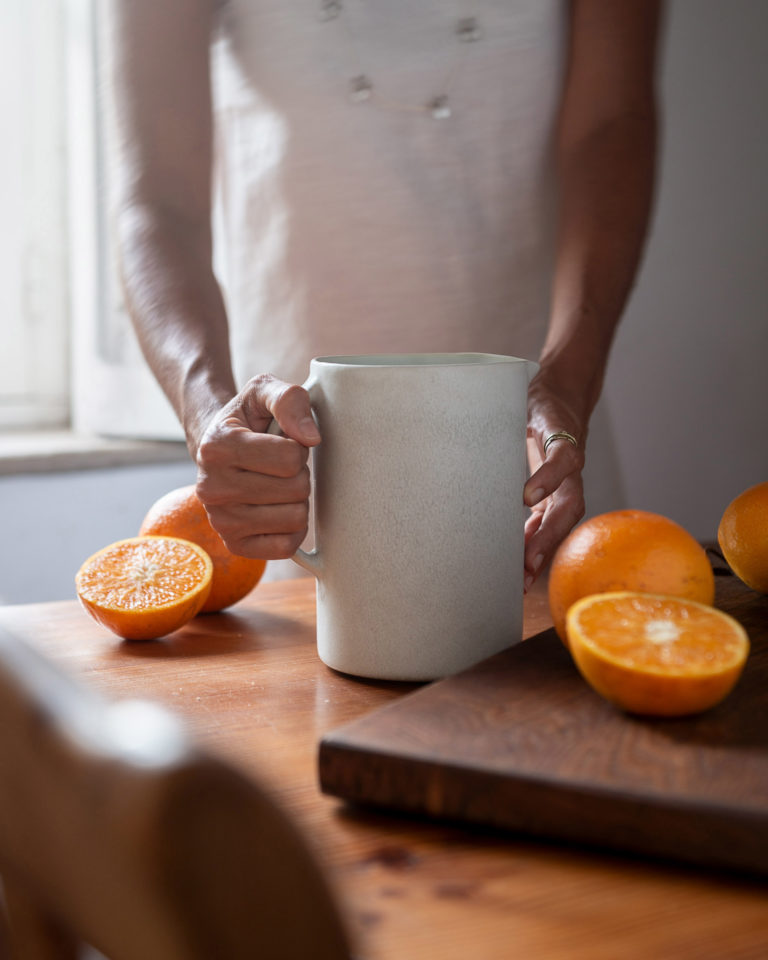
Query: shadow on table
[[214, 634]]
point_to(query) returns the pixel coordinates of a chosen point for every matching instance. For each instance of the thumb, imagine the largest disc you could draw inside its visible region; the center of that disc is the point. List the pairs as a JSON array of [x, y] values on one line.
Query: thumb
[[290, 407]]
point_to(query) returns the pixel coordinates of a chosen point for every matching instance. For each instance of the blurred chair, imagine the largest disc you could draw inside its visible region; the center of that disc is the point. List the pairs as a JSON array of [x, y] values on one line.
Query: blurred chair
[[117, 833]]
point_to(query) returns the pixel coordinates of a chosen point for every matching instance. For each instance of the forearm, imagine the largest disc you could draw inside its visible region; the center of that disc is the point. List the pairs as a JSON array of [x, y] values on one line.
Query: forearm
[[606, 153], [157, 70], [606, 149], [177, 310], [605, 202]]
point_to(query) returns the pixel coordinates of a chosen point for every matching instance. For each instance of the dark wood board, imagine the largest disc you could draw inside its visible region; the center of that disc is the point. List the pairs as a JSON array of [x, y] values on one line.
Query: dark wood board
[[520, 742]]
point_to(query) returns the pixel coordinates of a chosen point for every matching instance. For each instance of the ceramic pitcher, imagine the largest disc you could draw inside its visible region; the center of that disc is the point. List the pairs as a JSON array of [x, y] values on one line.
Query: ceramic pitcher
[[418, 510]]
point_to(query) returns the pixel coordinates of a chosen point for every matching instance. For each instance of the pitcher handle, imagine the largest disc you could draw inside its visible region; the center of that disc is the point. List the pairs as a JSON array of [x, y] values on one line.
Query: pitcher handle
[[308, 559]]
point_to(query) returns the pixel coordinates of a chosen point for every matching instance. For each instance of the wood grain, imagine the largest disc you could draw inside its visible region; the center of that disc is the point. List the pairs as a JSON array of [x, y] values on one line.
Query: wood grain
[[521, 742], [250, 688]]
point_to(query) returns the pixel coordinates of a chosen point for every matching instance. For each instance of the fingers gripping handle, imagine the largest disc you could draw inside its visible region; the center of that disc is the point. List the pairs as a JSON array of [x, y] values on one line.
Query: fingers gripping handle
[[310, 560]]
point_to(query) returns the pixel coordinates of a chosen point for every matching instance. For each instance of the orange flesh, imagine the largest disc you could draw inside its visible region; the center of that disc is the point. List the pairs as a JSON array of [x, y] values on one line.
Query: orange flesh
[[142, 576], [658, 635]]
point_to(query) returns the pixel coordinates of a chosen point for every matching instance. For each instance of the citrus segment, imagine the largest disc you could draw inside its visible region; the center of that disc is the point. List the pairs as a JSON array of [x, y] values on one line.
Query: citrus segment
[[145, 587], [656, 655], [627, 550], [180, 513], [743, 536]]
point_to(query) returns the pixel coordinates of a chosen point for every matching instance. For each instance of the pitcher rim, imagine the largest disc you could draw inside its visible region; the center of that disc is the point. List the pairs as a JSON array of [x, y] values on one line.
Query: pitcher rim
[[417, 359]]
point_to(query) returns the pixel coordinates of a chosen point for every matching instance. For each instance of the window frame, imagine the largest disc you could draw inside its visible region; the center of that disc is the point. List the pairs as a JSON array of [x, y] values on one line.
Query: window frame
[[34, 261]]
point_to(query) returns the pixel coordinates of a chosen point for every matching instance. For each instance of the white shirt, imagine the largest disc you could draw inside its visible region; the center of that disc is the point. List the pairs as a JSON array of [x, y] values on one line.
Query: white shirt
[[360, 227]]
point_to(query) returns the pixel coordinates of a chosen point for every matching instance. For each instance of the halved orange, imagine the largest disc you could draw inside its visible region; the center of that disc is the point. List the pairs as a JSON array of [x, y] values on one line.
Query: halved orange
[[145, 587], [656, 655]]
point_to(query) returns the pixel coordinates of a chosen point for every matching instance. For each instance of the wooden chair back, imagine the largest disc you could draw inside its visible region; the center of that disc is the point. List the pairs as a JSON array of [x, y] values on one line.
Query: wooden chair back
[[115, 831]]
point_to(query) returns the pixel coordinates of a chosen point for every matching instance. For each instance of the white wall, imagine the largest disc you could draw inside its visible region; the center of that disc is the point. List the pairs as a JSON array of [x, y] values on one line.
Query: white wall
[[687, 386], [53, 522]]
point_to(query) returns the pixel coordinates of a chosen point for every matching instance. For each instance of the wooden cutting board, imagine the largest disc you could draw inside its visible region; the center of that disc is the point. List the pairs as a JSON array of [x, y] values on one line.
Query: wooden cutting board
[[520, 742]]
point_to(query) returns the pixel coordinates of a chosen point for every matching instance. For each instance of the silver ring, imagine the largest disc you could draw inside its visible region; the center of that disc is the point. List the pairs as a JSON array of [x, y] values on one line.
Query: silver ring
[[560, 435]]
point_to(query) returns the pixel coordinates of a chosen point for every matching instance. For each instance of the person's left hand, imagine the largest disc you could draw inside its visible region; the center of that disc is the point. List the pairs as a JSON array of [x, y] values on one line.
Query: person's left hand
[[554, 491]]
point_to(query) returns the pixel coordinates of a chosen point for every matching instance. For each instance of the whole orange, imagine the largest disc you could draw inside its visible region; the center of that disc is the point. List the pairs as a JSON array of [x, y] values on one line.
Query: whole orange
[[743, 536], [180, 513], [627, 550]]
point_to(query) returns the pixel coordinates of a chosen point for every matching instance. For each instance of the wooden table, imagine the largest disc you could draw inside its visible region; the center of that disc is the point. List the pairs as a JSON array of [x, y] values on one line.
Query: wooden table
[[251, 688]]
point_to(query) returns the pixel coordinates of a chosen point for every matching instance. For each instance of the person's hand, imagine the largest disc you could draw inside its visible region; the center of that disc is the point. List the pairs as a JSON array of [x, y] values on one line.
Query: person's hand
[[554, 491], [255, 486]]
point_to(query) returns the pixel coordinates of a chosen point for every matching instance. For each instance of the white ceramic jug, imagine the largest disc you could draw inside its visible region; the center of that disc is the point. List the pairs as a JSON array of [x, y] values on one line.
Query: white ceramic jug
[[418, 487]]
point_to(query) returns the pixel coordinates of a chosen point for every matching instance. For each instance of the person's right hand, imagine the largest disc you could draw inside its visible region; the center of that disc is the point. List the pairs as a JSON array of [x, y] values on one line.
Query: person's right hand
[[254, 485]]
